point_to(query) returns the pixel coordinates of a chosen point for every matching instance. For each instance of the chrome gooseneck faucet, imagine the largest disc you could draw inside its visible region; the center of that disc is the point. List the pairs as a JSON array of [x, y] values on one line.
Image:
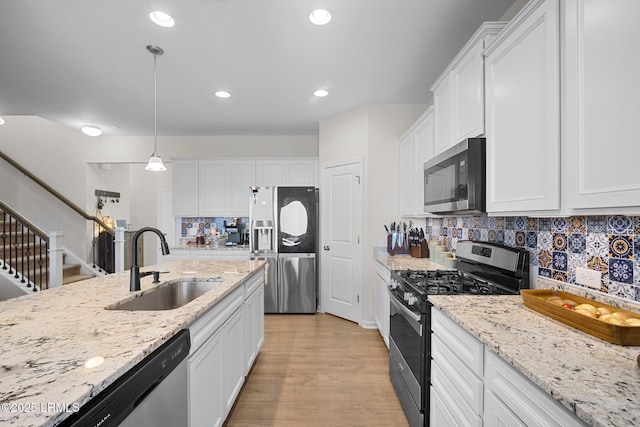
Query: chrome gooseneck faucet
[[134, 284]]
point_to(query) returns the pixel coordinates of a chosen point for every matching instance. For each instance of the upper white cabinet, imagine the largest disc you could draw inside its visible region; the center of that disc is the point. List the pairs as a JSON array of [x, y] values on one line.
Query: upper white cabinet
[[288, 172], [416, 147], [523, 112], [185, 181], [459, 92], [225, 187], [600, 104]]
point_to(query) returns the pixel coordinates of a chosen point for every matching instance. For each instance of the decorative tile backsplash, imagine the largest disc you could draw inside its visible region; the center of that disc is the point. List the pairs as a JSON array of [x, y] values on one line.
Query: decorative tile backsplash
[[609, 244], [189, 227]]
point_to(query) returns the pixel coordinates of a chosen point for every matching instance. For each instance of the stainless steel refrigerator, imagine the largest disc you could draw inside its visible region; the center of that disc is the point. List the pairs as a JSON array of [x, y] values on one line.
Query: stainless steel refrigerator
[[284, 233]]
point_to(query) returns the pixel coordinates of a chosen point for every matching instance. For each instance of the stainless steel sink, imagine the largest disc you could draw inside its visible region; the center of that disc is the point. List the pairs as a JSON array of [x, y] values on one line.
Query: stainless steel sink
[[170, 295]]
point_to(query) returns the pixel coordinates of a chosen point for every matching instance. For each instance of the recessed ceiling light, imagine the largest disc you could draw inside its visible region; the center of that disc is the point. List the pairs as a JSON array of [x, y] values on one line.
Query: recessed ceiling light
[[223, 94], [161, 18], [321, 93], [320, 17], [91, 130], [1, 121]]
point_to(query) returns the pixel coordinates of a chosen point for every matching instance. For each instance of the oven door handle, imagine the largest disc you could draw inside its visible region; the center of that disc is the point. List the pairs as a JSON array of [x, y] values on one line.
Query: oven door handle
[[394, 300]]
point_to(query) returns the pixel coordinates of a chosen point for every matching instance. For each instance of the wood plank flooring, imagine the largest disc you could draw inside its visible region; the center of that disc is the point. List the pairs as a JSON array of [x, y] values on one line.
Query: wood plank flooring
[[318, 370]]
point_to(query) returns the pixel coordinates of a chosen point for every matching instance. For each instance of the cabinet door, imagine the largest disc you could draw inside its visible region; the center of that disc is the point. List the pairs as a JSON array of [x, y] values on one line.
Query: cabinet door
[[232, 360], [423, 139], [600, 95], [185, 187], [206, 404], [443, 114], [271, 173], [468, 94], [522, 112], [254, 326], [382, 307], [213, 187], [301, 173], [407, 175], [496, 414], [241, 176], [439, 413]]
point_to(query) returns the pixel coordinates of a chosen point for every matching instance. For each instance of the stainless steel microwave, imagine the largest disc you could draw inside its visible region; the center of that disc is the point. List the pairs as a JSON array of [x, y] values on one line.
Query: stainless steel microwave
[[455, 180]]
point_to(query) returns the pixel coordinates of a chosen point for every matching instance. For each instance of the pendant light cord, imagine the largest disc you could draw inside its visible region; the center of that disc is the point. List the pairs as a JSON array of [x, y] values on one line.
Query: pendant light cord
[[155, 104]]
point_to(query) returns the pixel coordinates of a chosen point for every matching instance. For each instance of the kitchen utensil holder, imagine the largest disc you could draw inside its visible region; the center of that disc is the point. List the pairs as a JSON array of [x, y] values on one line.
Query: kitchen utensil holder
[[402, 250], [420, 251]]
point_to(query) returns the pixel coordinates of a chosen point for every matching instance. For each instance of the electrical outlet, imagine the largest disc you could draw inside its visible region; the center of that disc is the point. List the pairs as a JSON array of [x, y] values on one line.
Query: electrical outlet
[[587, 277]]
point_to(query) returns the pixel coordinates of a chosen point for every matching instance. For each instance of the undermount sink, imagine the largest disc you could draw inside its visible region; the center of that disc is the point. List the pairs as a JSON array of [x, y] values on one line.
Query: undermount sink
[[170, 295]]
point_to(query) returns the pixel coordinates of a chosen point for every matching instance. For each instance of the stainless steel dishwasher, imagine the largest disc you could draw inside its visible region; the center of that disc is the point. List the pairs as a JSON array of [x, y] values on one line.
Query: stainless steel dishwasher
[[153, 393]]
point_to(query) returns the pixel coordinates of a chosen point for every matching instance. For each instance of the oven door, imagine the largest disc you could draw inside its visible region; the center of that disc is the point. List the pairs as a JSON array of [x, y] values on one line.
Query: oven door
[[407, 361]]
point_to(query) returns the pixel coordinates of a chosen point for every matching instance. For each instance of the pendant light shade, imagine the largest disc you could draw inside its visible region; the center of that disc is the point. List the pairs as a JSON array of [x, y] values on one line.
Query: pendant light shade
[[155, 162]]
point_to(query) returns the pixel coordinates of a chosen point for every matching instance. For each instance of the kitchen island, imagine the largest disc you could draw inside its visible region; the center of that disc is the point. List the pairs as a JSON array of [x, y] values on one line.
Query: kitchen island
[[597, 381], [48, 337]]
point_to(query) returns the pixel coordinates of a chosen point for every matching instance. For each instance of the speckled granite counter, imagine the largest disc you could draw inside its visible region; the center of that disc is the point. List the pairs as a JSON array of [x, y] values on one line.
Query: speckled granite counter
[[403, 262], [47, 337], [597, 381]]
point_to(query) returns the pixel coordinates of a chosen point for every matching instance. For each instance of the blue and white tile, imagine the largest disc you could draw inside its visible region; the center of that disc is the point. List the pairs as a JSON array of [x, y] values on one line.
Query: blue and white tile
[[509, 223], [621, 246], [596, 224], [559, 225], [560, 260], [521, 239], [545, 224], [544, 272], [597, 244], [576, 260], [545, 240], [532, 224], [621, 270], [500, 237], [519, 223], [619, 224], [577, 243], [484, 235], [559, 241], [510, 238], [577, 224], [622, 290], [492, 223], [532, 239]]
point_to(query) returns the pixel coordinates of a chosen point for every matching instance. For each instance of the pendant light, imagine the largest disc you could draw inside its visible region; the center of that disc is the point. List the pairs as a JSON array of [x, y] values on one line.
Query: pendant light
[[155, 162]]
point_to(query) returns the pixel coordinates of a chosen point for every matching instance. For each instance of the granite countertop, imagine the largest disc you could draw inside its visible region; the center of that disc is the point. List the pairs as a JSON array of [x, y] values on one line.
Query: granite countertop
[[48, 336], [403, 262], [596, 380]]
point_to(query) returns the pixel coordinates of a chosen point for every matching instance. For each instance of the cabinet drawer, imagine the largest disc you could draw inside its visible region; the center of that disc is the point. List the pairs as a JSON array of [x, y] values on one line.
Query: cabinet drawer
[[209, 322], [445, 411], [450, 372], [383, 272], [527, 401], [462, 343]]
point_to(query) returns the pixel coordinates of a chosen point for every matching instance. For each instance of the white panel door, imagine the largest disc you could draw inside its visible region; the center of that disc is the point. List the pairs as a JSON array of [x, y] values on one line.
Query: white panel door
[[600, 113], [341, 254]]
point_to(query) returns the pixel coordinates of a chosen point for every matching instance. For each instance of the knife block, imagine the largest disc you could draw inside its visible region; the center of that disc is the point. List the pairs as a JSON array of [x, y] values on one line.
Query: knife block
[[397, 250], [421, 251]]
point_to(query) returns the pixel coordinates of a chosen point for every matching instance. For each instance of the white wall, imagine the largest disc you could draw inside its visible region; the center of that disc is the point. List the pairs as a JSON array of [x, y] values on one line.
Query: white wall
[[371, 133]]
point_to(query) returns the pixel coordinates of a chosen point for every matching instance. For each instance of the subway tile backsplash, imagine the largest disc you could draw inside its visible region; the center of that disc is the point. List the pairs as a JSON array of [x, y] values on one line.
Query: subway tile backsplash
[[609, 244]]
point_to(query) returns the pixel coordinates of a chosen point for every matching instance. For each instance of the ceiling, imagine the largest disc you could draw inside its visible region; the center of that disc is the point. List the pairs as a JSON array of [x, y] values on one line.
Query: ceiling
[[79, 62]]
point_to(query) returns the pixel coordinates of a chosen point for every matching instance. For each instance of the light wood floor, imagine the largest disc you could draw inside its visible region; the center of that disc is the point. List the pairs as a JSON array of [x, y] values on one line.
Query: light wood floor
[[318, 370]]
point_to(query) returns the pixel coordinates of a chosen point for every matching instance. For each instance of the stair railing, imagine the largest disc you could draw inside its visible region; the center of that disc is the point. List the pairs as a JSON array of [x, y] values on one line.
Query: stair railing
[[24, 249], [101, 250]]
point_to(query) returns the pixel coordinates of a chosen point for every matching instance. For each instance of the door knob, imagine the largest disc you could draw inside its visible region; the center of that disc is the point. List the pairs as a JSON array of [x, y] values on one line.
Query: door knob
[[326, 248]]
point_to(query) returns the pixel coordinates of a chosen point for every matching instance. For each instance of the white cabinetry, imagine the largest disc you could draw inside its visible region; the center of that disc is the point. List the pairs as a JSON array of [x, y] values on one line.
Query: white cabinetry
[[225, 187], [217, 363], [523, 112], [253, 322], [600, 104], [456, 373], [381, 285], [458, 93], [286, 172], [416, 147], [185, 181], [519, 399]]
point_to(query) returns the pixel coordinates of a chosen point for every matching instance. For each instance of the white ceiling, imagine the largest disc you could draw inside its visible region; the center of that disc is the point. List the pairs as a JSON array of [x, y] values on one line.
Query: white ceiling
[[80, 62]]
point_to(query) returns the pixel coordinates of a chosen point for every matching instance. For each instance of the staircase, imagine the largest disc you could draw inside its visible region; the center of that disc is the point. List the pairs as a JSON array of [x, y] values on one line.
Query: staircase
[[24, 255]]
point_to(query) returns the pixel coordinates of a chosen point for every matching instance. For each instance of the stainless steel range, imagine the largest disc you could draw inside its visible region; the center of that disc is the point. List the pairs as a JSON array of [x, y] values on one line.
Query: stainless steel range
[[483, 269]]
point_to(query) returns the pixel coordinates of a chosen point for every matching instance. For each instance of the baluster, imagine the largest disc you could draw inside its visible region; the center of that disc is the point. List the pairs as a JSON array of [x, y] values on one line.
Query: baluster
[[4, 240], [10, 244], [16, 246], [46, 275]]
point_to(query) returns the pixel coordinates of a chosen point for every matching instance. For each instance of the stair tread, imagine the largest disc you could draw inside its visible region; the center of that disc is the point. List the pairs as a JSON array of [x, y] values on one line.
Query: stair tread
[[77, 278]]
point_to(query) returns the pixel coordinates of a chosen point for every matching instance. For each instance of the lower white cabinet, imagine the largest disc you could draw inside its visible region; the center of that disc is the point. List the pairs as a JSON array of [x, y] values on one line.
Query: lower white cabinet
[[473, 386], [224, 344], [253, 324], [381, 286]]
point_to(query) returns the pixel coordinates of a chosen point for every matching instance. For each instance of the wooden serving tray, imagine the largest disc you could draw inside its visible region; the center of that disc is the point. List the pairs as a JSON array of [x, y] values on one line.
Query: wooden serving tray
[[535, 299]]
